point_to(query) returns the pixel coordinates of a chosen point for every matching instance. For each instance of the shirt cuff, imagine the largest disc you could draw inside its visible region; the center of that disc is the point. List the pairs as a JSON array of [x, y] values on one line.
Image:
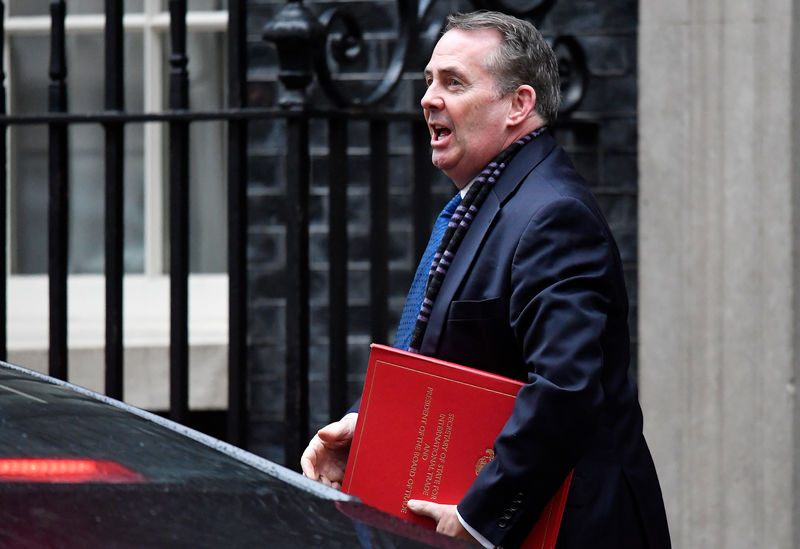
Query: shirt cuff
[[474, 533]]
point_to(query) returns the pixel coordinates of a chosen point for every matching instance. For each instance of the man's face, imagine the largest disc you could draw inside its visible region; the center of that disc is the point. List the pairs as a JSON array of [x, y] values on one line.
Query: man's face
[[465, 115]]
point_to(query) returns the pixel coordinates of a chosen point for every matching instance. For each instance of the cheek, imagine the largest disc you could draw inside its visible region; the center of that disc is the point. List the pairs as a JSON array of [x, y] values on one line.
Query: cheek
[[472, 116], [480, 121]]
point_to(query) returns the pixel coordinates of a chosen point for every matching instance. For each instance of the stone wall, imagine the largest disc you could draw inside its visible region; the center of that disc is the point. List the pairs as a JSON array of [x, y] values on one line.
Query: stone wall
[[719, 276]]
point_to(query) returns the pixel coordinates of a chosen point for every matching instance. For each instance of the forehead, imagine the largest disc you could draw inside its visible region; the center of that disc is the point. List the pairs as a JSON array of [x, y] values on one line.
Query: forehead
[[461, 50]]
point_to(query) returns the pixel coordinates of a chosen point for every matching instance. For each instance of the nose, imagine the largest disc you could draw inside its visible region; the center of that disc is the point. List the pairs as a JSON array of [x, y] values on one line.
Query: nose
[[432, 100]]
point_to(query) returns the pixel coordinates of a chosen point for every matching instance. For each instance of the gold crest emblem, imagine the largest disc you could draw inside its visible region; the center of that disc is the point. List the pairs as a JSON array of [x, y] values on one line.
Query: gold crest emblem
[[483, 460]]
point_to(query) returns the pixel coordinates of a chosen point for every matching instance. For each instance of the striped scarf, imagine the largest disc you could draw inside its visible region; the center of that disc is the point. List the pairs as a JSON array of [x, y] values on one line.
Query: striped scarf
[[457, 228]]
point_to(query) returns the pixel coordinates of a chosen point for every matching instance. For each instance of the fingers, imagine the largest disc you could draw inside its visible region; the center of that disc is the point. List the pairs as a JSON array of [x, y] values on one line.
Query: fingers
[[308, 463], [309, 458], [325, 457]]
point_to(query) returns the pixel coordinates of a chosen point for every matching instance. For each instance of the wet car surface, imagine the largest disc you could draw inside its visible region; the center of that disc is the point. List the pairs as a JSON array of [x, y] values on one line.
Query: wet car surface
[[80, 470]]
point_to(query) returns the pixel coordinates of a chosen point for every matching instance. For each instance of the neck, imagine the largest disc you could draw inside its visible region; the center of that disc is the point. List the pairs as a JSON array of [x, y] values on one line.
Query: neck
[[518, 132], [504, 155]]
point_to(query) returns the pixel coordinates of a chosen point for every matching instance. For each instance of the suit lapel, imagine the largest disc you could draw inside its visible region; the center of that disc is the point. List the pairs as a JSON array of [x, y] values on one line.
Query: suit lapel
[[521, 165]]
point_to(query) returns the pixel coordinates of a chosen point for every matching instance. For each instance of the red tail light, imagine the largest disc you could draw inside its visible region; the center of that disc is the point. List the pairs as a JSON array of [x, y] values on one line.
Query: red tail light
[[65, 470]]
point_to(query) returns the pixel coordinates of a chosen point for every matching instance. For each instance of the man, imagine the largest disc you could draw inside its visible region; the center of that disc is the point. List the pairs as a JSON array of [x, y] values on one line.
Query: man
[[533, 289]]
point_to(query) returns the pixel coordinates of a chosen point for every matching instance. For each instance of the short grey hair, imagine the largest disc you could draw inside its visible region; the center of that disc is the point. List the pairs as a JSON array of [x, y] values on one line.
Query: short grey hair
[[523, 57]]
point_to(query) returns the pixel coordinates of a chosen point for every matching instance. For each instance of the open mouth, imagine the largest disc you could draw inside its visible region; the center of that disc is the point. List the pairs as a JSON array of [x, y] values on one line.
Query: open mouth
[[440, 132]]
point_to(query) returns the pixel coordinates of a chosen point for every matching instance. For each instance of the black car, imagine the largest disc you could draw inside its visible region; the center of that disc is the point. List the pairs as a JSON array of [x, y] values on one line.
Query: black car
[[80, 470]]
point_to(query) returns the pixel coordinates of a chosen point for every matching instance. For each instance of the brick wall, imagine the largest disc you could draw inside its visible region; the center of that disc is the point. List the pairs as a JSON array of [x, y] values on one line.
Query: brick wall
[[606, 156]]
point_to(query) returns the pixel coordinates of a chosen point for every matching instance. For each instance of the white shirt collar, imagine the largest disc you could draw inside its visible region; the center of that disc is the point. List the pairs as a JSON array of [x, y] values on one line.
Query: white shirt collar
[[465, 189]]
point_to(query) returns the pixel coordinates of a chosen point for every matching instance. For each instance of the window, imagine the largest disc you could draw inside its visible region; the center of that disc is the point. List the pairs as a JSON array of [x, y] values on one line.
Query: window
[[146, 213]]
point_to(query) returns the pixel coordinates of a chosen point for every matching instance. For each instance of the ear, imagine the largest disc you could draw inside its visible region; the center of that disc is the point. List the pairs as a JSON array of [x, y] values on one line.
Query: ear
[[523, 100]]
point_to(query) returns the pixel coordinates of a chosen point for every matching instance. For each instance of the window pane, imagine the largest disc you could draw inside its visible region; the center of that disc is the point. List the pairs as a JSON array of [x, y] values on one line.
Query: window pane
[[42, 7], [208, 5], [29, 84], [28, 79], [28, 7], [200, 5], [207, 174], [29, 199]]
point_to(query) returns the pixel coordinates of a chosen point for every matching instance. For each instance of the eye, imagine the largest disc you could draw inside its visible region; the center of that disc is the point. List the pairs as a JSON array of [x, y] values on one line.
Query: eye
[[455, 82]]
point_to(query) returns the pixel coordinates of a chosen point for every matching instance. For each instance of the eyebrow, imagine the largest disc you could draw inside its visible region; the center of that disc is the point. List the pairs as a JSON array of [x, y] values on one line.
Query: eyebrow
[[447, 71]]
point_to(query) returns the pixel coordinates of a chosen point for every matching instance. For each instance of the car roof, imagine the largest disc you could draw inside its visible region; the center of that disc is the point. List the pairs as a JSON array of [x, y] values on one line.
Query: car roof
[[165, 485]]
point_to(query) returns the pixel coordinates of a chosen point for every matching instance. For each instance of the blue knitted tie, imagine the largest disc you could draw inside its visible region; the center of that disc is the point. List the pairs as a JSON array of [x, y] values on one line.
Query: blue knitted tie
[[417, 291]]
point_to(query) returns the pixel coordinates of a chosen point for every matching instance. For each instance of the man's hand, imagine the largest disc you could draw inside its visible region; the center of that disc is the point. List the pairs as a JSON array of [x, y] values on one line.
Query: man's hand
[[445, 517], [326, 455]]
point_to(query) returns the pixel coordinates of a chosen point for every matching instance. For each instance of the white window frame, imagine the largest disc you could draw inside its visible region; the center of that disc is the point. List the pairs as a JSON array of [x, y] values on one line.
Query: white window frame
[[146, 296]]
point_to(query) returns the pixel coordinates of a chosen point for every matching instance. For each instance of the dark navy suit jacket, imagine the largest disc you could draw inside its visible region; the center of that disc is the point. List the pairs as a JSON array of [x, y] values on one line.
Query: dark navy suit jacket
[[536, 293]]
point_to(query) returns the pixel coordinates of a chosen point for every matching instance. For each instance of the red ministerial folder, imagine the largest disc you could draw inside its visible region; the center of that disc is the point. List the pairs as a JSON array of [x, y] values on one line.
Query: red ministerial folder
[[425, 429]]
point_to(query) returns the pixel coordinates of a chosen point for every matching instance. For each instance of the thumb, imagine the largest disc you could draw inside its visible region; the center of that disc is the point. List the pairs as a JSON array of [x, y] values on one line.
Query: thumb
[[338, 431], [425, 508]]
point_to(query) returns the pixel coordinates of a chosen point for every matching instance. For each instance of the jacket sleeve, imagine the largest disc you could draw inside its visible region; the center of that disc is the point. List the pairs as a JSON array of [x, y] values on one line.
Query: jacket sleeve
[[565, 279]]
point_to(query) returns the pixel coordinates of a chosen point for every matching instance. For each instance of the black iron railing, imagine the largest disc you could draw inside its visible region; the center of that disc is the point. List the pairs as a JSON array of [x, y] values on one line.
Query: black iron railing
[[113, 119], [58, 207], [303, 42], [114, 197]]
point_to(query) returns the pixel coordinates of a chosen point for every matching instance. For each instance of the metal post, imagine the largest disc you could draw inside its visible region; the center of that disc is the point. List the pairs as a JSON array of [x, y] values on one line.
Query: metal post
[[379, 230], [296, 33], [237, 226], [297, 291], [337, 267], [3, 200], [58, 208], [179, 217], [114, 197]]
